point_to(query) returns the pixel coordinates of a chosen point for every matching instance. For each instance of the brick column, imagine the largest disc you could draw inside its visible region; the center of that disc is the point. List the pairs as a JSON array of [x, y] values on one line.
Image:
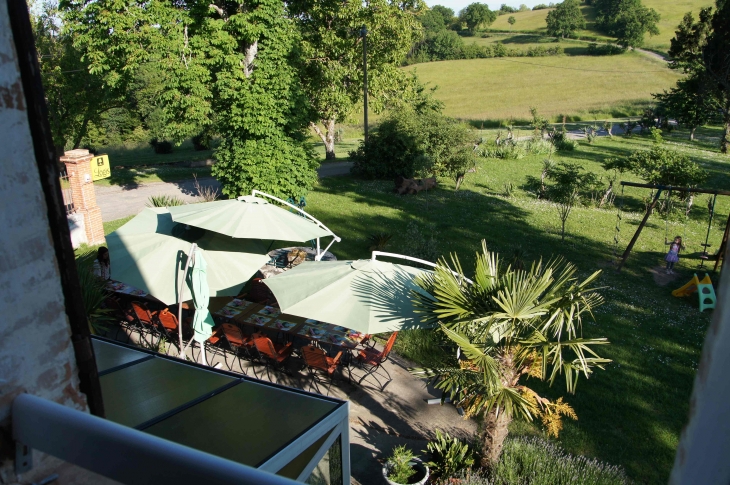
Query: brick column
[[82, 193]]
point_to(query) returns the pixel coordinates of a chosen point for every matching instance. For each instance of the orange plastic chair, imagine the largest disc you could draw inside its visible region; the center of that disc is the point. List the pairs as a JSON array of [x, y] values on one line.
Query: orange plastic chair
[[239, 343], [317, 360], [274, 354], [373, 360], [145, 322]]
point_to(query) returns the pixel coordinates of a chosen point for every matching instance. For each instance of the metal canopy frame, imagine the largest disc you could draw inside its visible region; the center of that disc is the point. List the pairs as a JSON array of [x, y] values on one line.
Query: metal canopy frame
[[99, 444], [320, 252]]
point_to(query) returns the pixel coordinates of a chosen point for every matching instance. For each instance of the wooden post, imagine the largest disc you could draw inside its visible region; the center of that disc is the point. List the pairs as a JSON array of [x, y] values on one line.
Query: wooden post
[[82, 192], [638, 230], [723, 245]]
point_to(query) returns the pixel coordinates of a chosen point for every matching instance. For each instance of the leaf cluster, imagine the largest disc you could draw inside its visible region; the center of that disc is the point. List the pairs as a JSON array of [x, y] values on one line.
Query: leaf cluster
[[627, 20], [505, 321], [448, 455], [565, 19]]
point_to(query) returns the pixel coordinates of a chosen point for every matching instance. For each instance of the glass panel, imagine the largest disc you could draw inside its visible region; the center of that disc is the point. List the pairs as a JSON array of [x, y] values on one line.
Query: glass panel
[[295, 467], [329, 469], [247, 423], [109, 356], [138, 393]]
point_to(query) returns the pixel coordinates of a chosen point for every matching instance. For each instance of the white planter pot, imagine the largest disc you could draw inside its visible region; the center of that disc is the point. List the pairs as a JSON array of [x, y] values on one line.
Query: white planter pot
[[422, 473]]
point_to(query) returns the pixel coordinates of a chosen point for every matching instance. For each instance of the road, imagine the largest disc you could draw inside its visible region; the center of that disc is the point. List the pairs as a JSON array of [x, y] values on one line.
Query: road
[[117, 202]]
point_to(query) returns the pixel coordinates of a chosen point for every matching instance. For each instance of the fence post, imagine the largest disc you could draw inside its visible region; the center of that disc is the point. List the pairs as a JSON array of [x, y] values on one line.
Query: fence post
[[83, 195]]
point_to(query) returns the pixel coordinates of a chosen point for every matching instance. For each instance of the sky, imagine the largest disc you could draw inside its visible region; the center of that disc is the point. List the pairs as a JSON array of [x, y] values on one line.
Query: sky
[[457, 5]]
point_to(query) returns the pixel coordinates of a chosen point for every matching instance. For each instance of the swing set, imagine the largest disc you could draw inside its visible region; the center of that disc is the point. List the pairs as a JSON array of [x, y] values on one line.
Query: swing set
[[704, 256]]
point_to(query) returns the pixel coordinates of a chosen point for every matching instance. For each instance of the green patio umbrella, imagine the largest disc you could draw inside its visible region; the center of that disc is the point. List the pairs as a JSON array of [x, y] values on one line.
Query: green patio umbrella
[[150, 252], [369, 296], [250, 217], [203, 321]]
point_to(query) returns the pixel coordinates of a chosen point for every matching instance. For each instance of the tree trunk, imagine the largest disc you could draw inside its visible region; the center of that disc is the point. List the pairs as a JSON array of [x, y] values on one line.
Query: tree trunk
[[327, 137], [81, 133], [459, 180], [725, 136], [496, 428], [692, 133]]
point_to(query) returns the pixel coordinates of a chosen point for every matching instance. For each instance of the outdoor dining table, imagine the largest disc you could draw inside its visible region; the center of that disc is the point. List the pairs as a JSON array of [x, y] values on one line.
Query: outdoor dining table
[[244, 312], [125, 289]]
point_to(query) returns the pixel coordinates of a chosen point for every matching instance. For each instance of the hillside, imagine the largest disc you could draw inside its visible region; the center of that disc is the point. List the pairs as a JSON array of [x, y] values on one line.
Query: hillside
[[579, 86], [671, 15]]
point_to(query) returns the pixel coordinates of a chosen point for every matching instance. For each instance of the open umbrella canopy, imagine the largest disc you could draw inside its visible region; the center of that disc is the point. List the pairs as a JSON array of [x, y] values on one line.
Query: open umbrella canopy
[[364, 295], [248, 217], [150, 251]]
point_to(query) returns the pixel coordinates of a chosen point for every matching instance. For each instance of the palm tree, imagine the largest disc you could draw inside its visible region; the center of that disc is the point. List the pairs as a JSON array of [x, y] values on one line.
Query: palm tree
[[508, 324]]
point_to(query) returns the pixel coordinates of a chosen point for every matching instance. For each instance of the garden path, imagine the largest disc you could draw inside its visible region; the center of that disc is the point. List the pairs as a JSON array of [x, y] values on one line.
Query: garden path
[[117, 202]]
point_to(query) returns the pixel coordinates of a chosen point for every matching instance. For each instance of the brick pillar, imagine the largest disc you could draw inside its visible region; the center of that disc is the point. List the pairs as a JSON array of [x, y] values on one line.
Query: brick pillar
[[78, 169]]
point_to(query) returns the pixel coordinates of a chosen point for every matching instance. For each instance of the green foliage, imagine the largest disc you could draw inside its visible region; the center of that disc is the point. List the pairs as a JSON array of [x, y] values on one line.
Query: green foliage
[[604, 49], [660, 165], [331, 51], [508, 323], [448, 455], [421, 244], [569, 182], [477, 15], [164, 201], [535, 461], [446, 13], [627, 20], [93, 292], [274, 165], [399, 464], [432, 21], [688, 102], [379, 241], [565, 19], [408, 142]]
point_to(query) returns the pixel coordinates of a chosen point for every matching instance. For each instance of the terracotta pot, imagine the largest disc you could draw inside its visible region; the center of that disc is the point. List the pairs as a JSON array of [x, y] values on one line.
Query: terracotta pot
[[421, 475]]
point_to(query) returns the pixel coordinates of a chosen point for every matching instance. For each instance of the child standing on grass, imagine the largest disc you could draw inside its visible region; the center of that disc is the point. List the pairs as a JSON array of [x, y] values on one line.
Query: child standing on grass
[[673, 255]]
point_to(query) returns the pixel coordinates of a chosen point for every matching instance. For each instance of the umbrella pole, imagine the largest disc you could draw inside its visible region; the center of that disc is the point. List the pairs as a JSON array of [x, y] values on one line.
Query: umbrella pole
[[179, 299]]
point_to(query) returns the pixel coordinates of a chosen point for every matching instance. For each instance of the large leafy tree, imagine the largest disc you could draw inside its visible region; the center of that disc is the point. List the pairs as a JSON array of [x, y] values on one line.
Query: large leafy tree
[[65, 75], [565, 19], [699, 48], [689, 102], [510, 324], [331, 49], [446, 13], [627, 20], [227, 67], [477, 15]]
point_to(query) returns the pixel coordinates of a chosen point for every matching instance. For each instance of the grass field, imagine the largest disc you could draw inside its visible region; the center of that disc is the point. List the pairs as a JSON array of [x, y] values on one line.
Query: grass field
[[671, 13], [500, 89], [526, 41], [632, 413]]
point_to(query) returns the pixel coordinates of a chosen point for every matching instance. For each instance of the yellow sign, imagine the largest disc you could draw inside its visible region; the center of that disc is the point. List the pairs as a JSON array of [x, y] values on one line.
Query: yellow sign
[[100, 168]]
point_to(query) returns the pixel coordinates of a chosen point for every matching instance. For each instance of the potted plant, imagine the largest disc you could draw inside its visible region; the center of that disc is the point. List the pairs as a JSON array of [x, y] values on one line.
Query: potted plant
[[403, 468]]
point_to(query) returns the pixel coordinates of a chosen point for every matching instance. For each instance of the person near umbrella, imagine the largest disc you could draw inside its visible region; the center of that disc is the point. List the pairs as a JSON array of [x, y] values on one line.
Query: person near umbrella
[[102, 264]]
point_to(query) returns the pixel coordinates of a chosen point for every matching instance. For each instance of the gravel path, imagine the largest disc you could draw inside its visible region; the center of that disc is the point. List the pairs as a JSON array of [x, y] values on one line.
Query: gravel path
[[122, 201]]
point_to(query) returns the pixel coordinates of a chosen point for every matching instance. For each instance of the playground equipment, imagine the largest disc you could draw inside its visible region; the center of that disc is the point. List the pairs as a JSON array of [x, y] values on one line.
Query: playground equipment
[[704, 289], [652, 205]]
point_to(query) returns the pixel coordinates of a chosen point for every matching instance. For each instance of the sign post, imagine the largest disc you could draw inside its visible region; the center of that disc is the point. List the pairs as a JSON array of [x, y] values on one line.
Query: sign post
[[100, 168]]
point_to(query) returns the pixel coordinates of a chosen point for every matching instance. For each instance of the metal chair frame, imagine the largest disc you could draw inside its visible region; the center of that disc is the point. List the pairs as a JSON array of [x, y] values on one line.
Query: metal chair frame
[[375, 360], [316, 359]]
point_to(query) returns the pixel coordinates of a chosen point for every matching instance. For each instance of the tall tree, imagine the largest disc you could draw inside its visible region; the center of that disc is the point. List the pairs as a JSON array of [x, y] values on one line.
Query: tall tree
[[477, 15], [627, 20], [228, 67], [688, 102], [446, 13], [331, 49], [509, 324], [565, 19], [700, 50]]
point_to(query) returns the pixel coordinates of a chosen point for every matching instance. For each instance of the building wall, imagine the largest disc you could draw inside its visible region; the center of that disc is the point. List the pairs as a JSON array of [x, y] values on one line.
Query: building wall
[[36, 355]]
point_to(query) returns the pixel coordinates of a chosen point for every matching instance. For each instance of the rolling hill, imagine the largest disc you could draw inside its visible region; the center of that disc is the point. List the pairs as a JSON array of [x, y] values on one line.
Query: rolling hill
[[671, 12]]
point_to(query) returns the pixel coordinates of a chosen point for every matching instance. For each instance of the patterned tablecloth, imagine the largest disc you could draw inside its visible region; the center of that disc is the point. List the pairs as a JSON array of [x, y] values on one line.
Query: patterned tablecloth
[[247, 313], [270, 270], [125, 289]]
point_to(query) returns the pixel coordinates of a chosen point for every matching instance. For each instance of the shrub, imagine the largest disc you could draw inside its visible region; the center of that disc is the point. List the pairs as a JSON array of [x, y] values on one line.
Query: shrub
[[164, 201], [161, 147], [201, 142], [604, 50], [534, 461], [399, 464], [410, 142], [420, 245], [448, 455], [93, 292]]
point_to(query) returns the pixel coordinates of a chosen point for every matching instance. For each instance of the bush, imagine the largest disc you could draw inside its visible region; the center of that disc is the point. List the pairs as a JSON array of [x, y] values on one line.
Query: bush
[[604, 50], [399, 464], [409, 143], [448, 455], [534, 461], [201, 142], [161, 147], [164, 201]]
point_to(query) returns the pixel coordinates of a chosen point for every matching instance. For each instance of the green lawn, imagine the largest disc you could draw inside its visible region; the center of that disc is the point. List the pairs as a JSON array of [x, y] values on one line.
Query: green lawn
[[632, 413], [582, 86]]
